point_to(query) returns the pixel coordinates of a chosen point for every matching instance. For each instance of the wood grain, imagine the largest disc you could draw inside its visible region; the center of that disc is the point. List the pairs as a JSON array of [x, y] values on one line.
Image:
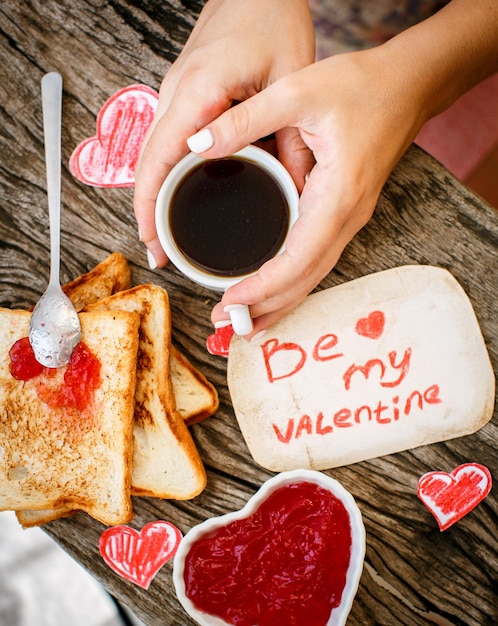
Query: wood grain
[[414, 575]]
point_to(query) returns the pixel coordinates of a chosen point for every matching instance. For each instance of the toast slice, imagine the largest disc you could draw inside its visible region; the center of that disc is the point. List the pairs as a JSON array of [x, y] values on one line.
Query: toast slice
[[108, 277], [53, 457], [196, 398], [166, 463], [30, 518]]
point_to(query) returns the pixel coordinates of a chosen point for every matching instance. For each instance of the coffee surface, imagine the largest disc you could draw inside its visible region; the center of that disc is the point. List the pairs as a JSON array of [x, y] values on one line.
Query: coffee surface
[[229, 216]]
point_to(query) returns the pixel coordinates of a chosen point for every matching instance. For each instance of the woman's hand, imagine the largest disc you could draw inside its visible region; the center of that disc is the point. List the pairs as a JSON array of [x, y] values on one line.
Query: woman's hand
[[357, 119], [357, 113], [235, 50], [341, 124]]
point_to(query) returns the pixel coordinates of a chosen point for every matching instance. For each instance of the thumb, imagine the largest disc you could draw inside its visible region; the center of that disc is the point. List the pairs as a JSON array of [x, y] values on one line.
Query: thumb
[[244, 123]]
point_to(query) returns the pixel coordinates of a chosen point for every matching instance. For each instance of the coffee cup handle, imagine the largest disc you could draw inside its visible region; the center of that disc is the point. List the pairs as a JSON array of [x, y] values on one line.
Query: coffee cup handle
[[240, 318]]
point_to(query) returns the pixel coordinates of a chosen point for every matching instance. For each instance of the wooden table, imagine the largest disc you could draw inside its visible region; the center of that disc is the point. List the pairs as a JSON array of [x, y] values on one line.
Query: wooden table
[[413, 573]]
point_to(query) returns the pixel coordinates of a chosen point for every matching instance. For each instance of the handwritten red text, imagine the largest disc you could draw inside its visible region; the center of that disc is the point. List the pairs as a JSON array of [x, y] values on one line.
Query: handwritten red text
[[381, 413]]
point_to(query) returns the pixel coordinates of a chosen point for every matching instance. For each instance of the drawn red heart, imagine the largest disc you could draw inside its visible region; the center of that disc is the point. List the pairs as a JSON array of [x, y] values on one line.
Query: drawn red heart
[[371, 326], [218, 344], [109, 158], [138, 556], [451, 496]]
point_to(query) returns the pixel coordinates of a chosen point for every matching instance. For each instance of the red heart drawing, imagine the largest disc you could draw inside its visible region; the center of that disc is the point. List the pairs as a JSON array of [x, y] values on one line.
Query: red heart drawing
[[138, 556], [110, 157], [451, 496], [218, 344], [371, 326]]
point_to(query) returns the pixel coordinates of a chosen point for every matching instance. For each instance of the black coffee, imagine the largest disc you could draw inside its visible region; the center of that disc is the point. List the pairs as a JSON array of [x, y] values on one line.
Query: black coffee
[[229, 216]]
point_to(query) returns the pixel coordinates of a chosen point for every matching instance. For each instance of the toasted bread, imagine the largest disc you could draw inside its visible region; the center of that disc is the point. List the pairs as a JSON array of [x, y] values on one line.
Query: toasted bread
[[48, 456], [108, 277], [166, 463], [30, 518], [196, 398]]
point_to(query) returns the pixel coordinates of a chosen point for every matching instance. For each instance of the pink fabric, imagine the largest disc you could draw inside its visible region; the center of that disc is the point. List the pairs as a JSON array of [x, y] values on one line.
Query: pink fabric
[[462, 136]]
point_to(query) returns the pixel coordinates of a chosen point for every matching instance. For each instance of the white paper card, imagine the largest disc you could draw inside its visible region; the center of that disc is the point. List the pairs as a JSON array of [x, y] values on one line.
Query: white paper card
[[385, 363]]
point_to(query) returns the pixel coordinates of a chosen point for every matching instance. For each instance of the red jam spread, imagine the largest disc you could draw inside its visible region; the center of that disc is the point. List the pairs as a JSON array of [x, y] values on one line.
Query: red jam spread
[[284, 565], [81, 376], [23, 364]]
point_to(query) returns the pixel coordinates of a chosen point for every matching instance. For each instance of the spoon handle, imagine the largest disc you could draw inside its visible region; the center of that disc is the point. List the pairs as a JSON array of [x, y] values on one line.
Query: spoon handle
[[51, 87]]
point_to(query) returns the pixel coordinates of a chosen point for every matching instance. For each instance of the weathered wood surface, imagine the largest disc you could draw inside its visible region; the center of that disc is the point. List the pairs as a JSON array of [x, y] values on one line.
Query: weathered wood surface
[[413, 575]]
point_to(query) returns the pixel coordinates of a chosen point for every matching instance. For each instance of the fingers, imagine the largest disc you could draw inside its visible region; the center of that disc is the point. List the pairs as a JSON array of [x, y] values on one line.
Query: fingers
[[275, 110], [264, 113], [316, 241], [177, 118], [154, 166], [194, 95]]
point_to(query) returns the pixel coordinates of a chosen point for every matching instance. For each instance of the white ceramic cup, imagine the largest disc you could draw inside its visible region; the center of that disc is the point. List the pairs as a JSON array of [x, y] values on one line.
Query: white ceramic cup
[[239, 314]]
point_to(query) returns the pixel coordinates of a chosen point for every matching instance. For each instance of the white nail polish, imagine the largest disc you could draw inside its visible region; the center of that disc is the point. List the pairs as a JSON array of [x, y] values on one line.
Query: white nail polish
[[240, 317], [222, 323], [151, 260], [139, 234], [258, 336], [201, 141]]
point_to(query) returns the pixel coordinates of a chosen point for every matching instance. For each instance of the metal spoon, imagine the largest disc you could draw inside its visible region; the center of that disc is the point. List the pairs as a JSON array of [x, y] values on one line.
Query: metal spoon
[[55, 327]]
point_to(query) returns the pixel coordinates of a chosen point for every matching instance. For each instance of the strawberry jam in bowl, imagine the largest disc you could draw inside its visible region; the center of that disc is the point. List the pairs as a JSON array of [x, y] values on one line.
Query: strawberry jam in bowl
[[292, 556]]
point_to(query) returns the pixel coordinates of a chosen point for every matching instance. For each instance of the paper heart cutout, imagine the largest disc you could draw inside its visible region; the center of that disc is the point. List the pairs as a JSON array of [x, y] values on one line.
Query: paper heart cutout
[[218, 343], [138, 556], [293, 554], [371, 326], [451, 496], [109, 158]]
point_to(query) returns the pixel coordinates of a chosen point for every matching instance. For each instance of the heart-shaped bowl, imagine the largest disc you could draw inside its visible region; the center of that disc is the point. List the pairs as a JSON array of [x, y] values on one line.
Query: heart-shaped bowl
[[294, 552]]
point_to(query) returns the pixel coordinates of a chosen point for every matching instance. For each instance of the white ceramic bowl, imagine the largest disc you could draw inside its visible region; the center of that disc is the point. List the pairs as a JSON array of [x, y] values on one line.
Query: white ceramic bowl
[[339, 614]]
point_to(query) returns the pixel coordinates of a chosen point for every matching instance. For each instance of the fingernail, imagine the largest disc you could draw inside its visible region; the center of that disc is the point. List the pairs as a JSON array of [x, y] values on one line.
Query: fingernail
[[222, 323], [258, 336], [151, 260], [139, 234], [240, 318], [201, 141]]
